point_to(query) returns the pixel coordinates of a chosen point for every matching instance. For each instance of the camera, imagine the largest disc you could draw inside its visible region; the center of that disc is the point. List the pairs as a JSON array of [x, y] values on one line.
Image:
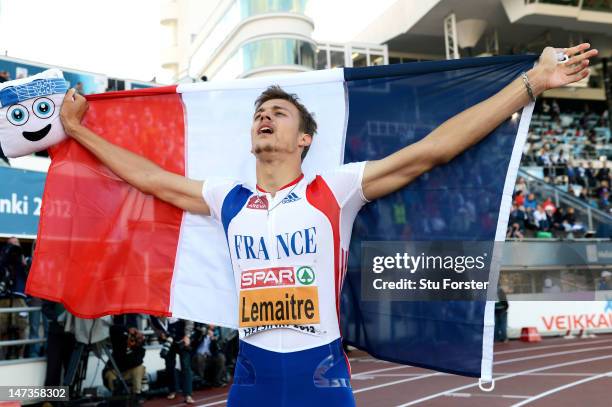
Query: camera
[[166, 347]]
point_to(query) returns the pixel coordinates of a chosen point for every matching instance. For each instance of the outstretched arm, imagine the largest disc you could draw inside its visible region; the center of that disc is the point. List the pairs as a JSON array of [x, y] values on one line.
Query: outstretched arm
[[137, 171], [384, 176]]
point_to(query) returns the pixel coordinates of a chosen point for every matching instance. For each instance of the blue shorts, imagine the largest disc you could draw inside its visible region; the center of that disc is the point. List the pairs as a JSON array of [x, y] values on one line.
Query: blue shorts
[[265, 378]]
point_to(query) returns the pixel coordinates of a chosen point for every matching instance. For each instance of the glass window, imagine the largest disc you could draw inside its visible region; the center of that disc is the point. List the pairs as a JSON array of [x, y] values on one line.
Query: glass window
[[395, 60], [225, 25], [597, 5], [377, 60], [250, 8], [240, 10], [336, 59], [268, 52], [572, 3], [321, 59], [359, 59]]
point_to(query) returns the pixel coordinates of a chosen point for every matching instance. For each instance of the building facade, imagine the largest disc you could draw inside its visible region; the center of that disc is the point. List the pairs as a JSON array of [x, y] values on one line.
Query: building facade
[[250, 38]]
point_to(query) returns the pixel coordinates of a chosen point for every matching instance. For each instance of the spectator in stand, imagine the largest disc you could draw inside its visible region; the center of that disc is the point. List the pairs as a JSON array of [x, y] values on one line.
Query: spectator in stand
[[604, 202], [580, 176], [603, 174], [556, 110], [530, 202], [518, 217], [603, 188], [571, 174], [519, 198], [13, 325], [548, 205], [541, 219], [590, 176], [4, 76], [521, 185], [570, 218], [557, 219], [605, 282]]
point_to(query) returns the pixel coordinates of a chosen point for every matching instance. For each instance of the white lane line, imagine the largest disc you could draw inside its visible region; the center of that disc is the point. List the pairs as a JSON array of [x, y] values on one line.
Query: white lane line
[[440, 374], [367, 359], [505, 396], [550, 374], [564, 345], [213, 404], [547, 355], [411, 379], [496, 363], [497, 379], [560, 388], [198, 399], [375, 375], [380, 370]]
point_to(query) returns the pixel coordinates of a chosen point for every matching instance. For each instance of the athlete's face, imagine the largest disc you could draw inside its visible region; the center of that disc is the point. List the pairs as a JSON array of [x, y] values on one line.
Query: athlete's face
[[276, 130]]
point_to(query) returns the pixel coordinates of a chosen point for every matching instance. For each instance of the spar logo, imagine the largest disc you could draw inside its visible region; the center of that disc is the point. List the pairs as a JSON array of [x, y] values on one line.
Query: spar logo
[[305, 275], [268, 277]]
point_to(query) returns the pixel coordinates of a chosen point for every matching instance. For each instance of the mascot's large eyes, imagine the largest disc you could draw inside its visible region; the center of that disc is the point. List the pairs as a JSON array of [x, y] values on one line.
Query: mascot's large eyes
[[43, 108], [17, 115]]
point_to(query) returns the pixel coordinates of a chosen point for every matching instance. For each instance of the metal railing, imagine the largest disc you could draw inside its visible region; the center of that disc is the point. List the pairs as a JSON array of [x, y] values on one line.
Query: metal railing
[[20, 342]]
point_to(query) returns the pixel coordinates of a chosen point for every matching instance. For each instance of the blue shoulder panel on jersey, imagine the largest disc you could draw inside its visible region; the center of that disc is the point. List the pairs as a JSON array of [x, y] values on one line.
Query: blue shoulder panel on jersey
[[232, 204]]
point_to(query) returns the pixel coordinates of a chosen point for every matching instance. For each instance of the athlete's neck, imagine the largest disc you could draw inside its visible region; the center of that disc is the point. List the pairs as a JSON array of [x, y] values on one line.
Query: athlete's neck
[[272, 175]]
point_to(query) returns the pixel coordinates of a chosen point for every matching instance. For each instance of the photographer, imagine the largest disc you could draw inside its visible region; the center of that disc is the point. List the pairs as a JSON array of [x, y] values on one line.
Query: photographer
[[129, 353], [175, 336], [209, 360]]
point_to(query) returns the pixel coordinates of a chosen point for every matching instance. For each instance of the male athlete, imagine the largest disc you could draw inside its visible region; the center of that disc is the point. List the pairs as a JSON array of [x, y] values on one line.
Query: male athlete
[[290, 349]]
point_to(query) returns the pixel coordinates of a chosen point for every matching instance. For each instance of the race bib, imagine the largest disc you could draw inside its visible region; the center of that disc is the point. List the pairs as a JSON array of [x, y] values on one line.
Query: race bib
[[279, 297]]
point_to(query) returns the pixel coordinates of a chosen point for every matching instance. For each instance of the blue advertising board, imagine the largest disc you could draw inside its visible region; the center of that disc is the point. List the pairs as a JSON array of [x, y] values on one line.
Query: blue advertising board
[[20, 201]]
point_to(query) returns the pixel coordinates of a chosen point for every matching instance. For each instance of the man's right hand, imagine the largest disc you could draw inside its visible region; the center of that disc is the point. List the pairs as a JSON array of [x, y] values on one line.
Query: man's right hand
[[73, 109]]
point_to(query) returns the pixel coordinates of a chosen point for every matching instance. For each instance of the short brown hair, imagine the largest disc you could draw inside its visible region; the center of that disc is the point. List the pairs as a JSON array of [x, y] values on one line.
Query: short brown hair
[[308, 124]]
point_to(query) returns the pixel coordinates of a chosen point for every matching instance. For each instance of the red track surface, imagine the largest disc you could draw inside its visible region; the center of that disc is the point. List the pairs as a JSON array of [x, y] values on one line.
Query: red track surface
[[555, 372]]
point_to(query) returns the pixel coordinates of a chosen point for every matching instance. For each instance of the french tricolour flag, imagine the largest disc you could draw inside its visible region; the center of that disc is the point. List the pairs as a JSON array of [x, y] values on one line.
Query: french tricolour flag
[[104, 247]]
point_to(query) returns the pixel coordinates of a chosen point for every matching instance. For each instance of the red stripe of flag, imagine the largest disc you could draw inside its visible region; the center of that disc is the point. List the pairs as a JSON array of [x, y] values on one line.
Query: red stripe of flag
[[96, 228]]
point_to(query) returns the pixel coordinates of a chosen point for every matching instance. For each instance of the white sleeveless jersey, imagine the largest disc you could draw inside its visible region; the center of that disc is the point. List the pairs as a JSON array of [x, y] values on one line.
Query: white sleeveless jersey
[[289, 254]]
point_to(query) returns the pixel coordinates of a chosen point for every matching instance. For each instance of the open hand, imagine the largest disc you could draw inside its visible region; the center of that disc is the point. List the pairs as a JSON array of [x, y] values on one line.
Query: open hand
[[557, 74]]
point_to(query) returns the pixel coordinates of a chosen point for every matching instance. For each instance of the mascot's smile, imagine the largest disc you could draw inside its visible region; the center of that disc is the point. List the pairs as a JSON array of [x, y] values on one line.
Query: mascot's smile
[[37, 135]]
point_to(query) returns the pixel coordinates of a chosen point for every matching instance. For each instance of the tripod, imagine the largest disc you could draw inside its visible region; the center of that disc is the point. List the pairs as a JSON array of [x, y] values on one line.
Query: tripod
[[77, 367]]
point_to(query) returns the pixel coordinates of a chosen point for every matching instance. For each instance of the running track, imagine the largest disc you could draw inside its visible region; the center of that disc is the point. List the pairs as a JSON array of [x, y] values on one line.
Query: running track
[[556, 372]]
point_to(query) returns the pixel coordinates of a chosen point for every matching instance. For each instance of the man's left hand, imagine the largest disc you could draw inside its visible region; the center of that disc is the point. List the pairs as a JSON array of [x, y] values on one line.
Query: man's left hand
[[555, 74]]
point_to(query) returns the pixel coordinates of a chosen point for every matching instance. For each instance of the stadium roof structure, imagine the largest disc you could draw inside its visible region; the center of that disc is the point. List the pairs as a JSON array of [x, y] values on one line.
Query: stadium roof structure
[[418, 27]]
